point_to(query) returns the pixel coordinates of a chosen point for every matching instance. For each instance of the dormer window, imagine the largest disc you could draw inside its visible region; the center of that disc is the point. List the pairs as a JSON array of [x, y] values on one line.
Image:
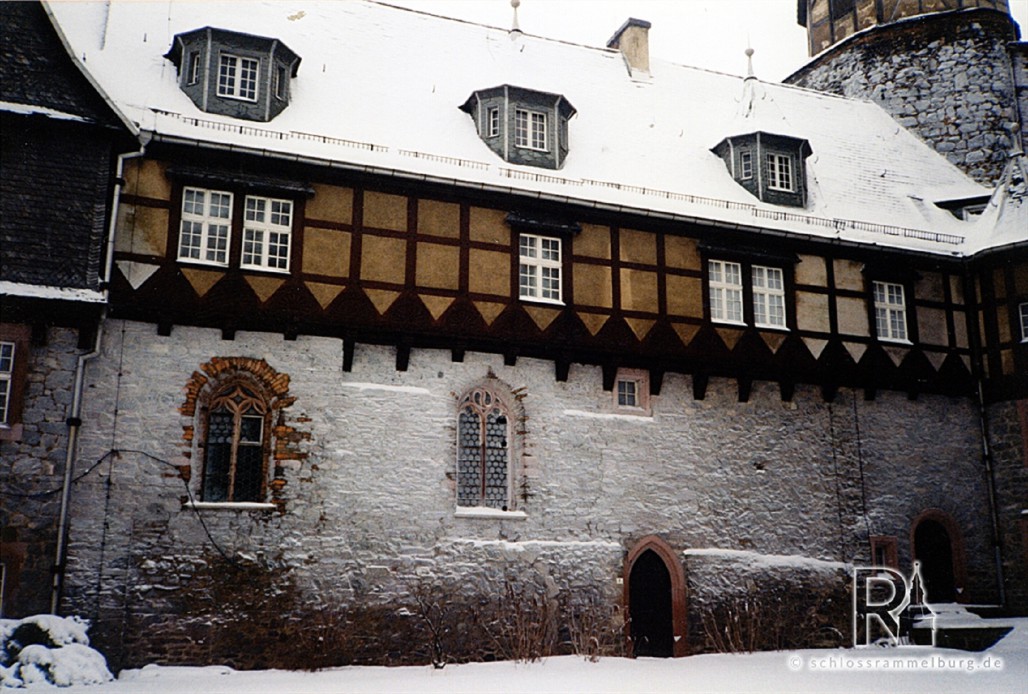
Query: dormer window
[[234, 74], [237, 77], [769, 166], [522, 126]]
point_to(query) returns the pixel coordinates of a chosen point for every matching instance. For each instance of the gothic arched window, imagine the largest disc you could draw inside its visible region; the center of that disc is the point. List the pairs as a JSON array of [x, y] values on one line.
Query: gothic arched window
[[235, 451], [484, 451]]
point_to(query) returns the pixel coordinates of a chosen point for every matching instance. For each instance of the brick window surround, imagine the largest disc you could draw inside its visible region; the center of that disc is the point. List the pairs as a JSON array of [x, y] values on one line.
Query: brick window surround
[[282, 443]]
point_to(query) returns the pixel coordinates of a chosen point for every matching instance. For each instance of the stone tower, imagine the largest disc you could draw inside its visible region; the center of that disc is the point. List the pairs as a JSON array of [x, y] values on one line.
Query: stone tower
[[952, 71]]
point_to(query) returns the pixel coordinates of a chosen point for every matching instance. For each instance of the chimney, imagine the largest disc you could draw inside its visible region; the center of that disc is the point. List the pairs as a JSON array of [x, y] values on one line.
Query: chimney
[[633, 40]]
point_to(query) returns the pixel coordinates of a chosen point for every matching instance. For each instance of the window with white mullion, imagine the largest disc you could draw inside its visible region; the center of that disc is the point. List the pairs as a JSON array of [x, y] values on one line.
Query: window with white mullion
[[725, 285], [6, 376], [266, 233], [779, 172], [540, 268], [890, 311], [493, 122], [205, 226], [530, 130], [768, 297], [237, 77], [1024, 322]]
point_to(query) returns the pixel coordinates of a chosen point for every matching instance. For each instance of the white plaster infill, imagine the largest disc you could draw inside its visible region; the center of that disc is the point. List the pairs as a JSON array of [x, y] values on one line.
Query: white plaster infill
[[229, 506], [486, 512], [641, 417]]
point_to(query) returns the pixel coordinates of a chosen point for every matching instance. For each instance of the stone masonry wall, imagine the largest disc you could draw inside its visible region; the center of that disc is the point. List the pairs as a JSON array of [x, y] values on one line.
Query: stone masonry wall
[[31, 474], [366, 516], [1008, 428], [946, 78]]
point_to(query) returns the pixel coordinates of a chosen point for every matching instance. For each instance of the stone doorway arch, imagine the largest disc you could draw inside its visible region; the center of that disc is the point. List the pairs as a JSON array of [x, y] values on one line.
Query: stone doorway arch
[[937, 544], [655, 601]]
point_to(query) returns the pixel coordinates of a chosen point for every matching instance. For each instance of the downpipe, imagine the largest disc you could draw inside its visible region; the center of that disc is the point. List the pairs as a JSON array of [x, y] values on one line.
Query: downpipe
[[74, 420]]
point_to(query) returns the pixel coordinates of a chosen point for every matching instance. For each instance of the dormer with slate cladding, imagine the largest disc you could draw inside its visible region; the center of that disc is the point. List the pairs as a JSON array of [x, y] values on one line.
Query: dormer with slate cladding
[[522, 126], [771, 167], [234, 74]]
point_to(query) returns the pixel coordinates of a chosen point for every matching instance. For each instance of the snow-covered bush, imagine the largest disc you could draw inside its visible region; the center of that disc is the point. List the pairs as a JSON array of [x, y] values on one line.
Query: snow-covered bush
[[47, 648]]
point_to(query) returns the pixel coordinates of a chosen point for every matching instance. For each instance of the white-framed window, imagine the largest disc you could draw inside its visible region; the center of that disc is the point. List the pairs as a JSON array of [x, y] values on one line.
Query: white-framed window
[[281, 80], [492, 127], [1024, 321], [206, 226], [725, 285], [193, 70], [768, 297], [484, 438], [267, 229], [237, 77], [890, 311], [6, 379], [779, 172], [745, 164], [530, 129], [539, 268]]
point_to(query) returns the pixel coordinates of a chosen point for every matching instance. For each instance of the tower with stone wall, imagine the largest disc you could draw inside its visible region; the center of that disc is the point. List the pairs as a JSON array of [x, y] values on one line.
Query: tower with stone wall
[[952, 71]]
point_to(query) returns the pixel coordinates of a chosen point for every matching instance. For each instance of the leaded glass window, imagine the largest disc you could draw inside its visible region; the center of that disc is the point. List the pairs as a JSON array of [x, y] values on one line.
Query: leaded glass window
[[483, 451], [234, 467]]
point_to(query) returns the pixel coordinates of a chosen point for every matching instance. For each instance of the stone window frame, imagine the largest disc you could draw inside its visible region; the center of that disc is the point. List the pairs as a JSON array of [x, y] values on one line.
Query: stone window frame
[[206, 220], [632, 382], [780, 169], [235, 89], [480, 400], [285, 443], [19, 337], [887, 311], [534, 130], [884, 551], [548, 269], [270, 231]]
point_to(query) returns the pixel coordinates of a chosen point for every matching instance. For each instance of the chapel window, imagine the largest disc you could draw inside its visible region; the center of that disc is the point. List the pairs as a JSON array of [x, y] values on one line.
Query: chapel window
[[483, 451]]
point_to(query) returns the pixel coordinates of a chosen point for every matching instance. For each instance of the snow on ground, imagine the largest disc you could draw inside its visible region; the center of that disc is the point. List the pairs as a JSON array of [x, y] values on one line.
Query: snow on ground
[[1000, 670]]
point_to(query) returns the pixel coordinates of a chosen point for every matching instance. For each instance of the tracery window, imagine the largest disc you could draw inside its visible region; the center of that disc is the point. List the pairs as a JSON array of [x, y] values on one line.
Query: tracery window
[[483, 451], [235, 451]]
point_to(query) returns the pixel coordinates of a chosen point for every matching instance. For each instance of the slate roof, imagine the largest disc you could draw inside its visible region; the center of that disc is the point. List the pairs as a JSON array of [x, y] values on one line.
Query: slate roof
[[380, 89]]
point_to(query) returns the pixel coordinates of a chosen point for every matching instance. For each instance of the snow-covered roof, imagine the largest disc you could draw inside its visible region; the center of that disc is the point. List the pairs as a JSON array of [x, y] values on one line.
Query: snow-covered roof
[[380, 89]]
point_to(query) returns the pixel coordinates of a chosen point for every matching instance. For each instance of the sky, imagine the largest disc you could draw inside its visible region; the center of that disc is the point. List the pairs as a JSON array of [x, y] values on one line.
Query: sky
[[711, 34]]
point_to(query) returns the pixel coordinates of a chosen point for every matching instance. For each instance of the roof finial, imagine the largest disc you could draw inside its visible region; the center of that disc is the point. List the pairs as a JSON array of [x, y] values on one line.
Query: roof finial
[[515, 29], [749, 63]]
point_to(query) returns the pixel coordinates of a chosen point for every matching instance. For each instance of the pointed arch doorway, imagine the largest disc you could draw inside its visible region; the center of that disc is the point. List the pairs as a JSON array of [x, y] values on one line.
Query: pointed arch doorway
[[654, 595]]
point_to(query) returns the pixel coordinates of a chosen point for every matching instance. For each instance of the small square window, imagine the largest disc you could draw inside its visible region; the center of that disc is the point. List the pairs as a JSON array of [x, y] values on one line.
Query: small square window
[[632, 391], [890, 311], [884, 551]]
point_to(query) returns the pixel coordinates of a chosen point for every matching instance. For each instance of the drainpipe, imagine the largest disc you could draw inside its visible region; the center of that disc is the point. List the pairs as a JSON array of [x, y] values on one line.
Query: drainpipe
[[983, 422], [74, 420]]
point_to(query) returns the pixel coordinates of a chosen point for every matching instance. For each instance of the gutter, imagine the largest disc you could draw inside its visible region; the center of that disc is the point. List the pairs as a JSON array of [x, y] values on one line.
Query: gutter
[[74, 420]]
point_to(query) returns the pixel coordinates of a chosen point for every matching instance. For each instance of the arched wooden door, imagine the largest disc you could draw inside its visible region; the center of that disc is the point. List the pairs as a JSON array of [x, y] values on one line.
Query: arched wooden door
[[655, 600]]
